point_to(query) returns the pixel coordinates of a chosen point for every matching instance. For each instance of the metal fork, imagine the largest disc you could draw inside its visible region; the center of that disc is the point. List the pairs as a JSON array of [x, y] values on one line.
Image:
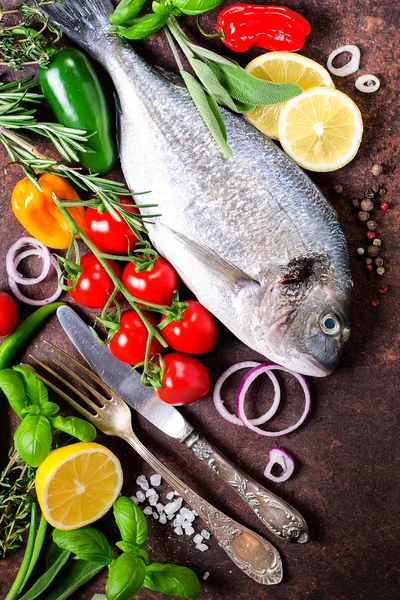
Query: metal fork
[[254, 555]]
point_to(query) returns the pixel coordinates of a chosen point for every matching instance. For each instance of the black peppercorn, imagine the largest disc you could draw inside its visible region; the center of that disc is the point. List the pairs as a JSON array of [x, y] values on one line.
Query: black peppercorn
[[372, 225], [337, 188], [376, 188], [373, 251], [363, 216], [382, 191], [378, 262], [369, 194]]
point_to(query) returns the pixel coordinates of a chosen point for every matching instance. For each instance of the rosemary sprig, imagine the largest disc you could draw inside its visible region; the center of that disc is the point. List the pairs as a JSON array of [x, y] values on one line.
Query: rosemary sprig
[[21, 44], [16, 482]]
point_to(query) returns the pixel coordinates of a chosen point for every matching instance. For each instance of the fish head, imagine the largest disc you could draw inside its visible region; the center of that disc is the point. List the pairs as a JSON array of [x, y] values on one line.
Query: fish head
[[307, 317]]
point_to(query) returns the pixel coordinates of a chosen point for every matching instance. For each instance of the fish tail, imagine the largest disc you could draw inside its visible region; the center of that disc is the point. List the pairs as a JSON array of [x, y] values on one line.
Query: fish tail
[[84, 21]]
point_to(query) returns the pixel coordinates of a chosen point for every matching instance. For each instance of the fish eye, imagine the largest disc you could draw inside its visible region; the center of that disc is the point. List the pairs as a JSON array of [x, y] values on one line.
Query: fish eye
[[330, 324]]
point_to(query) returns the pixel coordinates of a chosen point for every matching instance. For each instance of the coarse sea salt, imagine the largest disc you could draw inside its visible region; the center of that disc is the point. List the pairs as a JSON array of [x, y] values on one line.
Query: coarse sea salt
[[189, 530], [206, 534], [188, 514], [142, 482], [155, 480], [202, 547], [151, 492], [148, 510], [136, 500], [155, 515], [163, 519], [178, 530], [170, 495], [198, 538], [206, 575], [173, 507], [141, 496], [160, 507], [153, 500]]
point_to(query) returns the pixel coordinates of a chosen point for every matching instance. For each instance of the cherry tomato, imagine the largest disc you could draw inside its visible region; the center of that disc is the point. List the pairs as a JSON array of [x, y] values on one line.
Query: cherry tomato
[[185, 379], [8, 314], [110, 236], [196, 333], [156, 286], [94, 286], [129, 343]]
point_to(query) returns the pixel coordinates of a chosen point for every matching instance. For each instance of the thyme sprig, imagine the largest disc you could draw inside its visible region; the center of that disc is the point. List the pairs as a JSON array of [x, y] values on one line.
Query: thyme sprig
[[21, 44], [16, 482]]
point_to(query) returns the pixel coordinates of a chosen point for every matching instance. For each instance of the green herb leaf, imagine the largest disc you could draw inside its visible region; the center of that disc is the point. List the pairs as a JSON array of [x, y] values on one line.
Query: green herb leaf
[[211, 83], [79, 428], [173, 580], [73, 576], [142, 27], [249, 89], [12, 385], [41, 585], [195, 7], [131, 521], [208, 110], [36, 391], [87, 543], [49, 408], [99, 597], [126, 10], [129, 547], [33, 439], [126, 577]]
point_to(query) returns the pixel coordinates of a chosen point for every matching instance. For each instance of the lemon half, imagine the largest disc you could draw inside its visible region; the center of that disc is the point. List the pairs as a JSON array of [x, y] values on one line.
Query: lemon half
[[78, 484], [321, 129], [283, 67]]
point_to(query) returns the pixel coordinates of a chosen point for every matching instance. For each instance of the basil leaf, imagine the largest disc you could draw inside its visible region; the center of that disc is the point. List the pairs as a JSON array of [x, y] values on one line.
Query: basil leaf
[[41, 585], [33, 439], [195, 7], [208, 110], [126, 577], [73, 576], [35, 390], [130, 520], [129, 547], [142, 27], [99, 597], [174, 580], [79, 428], [12, 386], [249, 89], [49, 408], [126, 9], [87, 543]]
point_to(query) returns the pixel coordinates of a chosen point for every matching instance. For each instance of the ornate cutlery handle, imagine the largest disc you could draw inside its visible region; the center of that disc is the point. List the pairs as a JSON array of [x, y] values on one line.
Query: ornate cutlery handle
[[279, 516], [254, 555]]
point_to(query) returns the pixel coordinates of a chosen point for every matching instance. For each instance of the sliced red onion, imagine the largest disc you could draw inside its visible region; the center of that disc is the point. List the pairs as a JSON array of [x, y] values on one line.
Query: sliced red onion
[[285, 460], [351, 67], [219, 403], [367, 84], [18, 294], [13, 260], [248, 380]]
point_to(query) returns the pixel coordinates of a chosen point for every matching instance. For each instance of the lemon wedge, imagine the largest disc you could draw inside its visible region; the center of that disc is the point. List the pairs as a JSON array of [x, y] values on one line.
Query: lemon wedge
[[283, 67], [78, 484], [321, 129]]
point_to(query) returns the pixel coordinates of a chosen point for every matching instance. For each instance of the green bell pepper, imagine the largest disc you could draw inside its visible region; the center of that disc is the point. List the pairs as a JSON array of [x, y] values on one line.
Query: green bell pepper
[[73, 90]]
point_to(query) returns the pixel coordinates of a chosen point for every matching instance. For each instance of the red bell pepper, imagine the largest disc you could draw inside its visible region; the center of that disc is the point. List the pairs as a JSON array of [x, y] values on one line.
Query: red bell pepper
[[242, 26]]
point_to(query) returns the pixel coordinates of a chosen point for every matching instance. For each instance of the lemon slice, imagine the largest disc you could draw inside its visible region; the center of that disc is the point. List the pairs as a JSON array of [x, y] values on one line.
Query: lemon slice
[[78, 484], [321, 130], [283, 67]]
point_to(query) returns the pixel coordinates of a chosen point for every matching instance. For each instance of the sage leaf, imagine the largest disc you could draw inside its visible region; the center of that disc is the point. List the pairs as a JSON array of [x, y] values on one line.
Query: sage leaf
[[126, 577], [33, 439], [79, 428], [211, 83], [195, 7], [12, 385], [126, 10], [87, 543], [209, 54], [249, 89], [208, 110], [173, 580], [35, 390], [73, 576], [41, 585], [142, 27], [131, 521]]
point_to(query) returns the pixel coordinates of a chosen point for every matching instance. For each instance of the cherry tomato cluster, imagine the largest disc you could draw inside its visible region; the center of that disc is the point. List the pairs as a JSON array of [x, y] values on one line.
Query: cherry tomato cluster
[[185, 378]]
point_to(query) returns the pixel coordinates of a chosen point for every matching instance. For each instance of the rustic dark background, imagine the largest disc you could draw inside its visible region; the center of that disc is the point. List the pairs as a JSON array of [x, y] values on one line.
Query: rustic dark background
[[346, 481]]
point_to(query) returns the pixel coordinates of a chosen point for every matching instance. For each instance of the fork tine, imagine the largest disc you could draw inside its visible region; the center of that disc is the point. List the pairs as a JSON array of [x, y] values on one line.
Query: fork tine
[[88, 372], [58, 391], [86, 385], [68, 384]]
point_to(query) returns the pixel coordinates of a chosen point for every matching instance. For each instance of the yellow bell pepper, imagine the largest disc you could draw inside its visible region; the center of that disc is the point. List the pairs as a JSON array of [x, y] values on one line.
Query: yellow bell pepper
[[37, 212]]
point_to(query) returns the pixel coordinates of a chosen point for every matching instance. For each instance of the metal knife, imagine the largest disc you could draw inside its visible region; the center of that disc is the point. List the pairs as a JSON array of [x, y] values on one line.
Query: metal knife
[[279, 516]]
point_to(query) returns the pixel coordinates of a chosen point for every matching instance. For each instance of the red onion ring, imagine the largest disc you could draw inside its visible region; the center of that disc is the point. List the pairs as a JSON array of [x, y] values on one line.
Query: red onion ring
[[248, 380], [281, 457], [219, 403], [12, 261], [18, 294]]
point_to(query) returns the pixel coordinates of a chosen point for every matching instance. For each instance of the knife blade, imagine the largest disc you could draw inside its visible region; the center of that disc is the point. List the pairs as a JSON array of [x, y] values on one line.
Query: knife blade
[[121, 378], [282, 519]]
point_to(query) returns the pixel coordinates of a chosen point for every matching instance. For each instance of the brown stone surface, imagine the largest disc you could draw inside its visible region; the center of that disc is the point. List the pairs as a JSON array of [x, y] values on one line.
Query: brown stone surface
[[345, 483]]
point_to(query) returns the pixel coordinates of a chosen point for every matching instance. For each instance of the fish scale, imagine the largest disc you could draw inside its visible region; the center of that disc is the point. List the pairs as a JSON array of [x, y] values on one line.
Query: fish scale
[[251, 235]]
